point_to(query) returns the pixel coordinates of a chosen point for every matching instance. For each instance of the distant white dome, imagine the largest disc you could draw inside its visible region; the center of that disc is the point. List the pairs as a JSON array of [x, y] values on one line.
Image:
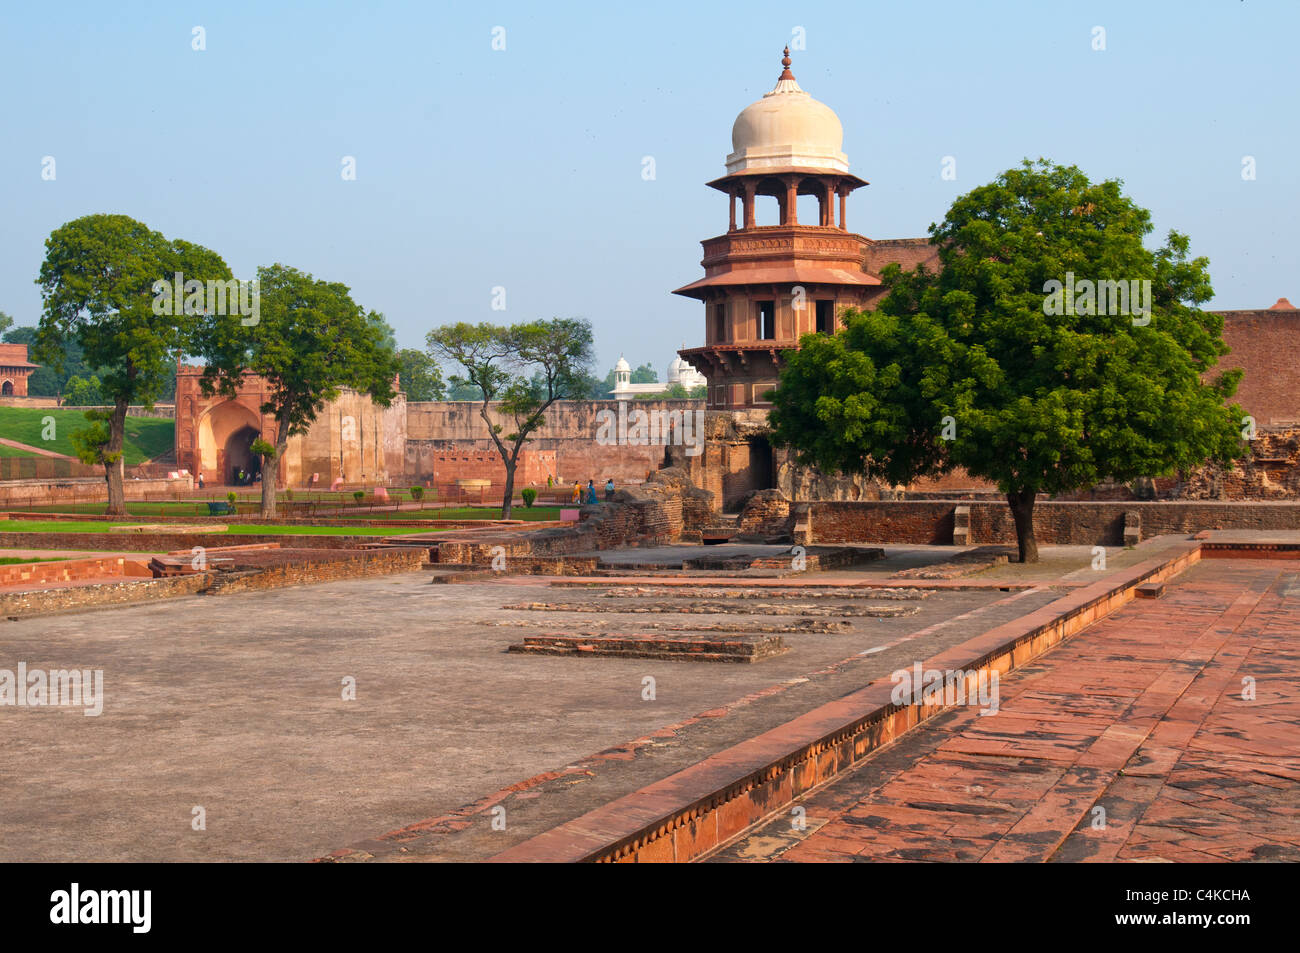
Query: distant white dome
[[787, 128], [622, 365]]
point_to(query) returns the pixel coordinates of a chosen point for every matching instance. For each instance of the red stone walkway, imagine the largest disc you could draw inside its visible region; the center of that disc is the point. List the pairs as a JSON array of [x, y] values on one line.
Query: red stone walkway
[[1130, 742]]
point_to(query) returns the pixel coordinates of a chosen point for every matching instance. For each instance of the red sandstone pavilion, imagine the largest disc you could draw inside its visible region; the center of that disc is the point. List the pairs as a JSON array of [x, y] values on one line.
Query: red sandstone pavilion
[[767, 285], [14, 370]]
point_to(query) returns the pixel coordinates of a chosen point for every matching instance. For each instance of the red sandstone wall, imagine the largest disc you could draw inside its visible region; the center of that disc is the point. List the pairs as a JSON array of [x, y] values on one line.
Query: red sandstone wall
[[1264, 344], [1061, 523]]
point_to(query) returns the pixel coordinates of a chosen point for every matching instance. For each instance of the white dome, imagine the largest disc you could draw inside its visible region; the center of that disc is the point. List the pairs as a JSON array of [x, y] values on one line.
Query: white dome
[[787, 128], [622, 364]]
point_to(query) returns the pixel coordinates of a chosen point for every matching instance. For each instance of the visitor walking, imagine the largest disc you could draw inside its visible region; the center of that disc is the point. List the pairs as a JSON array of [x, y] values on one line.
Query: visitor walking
[[609, 490], [577, 492], [591, 493]]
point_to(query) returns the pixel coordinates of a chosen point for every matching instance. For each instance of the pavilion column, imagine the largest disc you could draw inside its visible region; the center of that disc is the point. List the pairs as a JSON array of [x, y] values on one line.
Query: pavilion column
[[749, 205], [843, 226], [828, 206], [731, 208], [791, 201]]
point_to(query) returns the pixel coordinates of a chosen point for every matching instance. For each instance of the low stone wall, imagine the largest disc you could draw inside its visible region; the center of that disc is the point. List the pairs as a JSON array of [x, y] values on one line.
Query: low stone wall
[[70, 570], [32, 602], [1090, 523], [382, 562], [165, 542], [29, 602], [89, 489]]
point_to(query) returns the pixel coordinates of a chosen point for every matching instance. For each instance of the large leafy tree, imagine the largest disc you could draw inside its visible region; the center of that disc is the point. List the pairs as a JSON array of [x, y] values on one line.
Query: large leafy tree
[[97, 281], [979, 366], [496, 362], [310, 339]]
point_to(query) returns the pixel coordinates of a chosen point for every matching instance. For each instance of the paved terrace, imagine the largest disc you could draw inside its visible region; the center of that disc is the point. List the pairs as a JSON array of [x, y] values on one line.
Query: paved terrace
[[1131, 742]]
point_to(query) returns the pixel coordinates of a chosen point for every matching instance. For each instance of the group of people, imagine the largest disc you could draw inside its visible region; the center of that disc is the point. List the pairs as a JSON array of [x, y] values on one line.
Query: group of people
[[588, 495]]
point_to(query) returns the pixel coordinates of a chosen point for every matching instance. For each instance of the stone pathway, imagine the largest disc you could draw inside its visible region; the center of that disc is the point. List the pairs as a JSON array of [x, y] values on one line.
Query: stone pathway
[[1130, 742]]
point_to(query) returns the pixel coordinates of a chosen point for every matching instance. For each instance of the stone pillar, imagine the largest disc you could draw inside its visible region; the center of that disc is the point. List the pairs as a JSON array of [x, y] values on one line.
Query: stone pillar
[[748, 194], [843, 225], [731, 209], [828, 206], [791, 216]]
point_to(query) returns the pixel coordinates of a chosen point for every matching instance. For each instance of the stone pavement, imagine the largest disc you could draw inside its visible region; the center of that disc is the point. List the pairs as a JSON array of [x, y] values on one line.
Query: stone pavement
[[234, 704], [1130, 742]]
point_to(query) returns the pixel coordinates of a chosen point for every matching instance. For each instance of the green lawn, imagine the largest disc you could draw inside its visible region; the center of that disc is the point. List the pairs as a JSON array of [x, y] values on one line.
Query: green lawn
[[15, 560], [14, 451], [250, 508], [245, 529], [146, 437]]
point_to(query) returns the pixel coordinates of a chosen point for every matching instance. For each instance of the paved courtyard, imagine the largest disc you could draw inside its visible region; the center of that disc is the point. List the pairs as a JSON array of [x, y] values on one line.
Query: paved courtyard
[[235, 704]]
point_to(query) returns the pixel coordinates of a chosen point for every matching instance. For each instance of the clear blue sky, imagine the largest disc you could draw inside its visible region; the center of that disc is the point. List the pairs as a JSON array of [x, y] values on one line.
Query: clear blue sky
[[522, 167]]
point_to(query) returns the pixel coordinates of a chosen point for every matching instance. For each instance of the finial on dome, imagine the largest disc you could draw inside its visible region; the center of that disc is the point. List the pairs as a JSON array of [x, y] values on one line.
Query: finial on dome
[[785, 62]]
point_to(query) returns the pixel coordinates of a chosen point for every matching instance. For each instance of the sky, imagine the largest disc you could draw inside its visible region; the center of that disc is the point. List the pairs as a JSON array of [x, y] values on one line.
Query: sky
[[504, 146]]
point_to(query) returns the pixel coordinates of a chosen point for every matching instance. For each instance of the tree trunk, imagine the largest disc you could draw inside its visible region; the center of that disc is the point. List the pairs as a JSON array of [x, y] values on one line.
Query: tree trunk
[[1022, 511], [508, 500], [270, 470], [114, 472]]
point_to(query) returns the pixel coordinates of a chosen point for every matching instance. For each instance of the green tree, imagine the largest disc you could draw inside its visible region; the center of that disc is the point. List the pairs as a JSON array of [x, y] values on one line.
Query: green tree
[[91, 441], [310, 340], [421, 375], [6, 323], [980, 367], [98, 285], [496, 361], [80, 392]]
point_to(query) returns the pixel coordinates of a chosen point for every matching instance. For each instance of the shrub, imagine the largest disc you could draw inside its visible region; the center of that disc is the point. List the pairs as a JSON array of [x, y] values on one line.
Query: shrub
[[417, 493], [288, 493], [358, 495], [232, 497], [529, 494]]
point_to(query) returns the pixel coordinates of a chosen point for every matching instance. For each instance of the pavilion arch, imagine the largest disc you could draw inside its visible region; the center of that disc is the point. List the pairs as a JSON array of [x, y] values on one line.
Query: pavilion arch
[[822, 192], [225, 433], [765, 192], [7, 389]]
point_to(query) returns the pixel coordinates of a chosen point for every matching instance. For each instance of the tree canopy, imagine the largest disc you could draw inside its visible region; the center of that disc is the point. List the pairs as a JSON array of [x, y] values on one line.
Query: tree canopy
[[523, 368], [98, 284], [988, 366]]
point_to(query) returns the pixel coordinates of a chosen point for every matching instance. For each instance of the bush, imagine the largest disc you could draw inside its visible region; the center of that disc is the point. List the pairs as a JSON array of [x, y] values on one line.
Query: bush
[[288, 493], [529, 495], [358, 495], [417, 493], [232, 497]]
